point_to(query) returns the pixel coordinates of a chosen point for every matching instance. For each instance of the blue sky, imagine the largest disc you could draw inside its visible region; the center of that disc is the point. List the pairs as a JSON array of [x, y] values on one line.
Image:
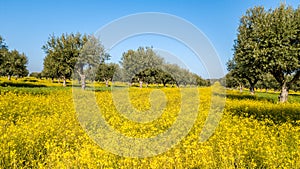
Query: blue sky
[[26, 25]]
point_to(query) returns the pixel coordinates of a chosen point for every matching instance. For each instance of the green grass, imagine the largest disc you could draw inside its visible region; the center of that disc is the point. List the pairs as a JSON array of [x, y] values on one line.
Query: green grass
[[262, 96]]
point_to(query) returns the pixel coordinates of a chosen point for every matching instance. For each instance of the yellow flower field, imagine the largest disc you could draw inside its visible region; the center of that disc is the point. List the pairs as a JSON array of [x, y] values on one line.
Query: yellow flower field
[[40, 129]]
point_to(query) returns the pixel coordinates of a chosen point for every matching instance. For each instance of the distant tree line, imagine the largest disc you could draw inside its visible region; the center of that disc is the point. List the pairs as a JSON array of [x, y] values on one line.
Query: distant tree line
[[145, 66], [267, 50], [12, 62]]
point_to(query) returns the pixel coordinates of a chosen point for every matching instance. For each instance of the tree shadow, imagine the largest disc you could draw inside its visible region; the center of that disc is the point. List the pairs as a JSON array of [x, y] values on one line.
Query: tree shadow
[[294, 94], [241, 96], [12, 84], [276, 114], [251, 97], [30, 80], [273, 111]]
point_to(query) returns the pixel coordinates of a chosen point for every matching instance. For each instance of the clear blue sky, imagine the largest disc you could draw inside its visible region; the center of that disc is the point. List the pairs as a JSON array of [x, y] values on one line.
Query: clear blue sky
[[27, 24]]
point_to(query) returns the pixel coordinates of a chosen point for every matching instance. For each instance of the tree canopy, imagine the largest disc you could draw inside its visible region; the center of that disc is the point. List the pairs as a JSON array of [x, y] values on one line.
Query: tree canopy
[[136, 63], [72, 52], [12, 63], [61, 55]]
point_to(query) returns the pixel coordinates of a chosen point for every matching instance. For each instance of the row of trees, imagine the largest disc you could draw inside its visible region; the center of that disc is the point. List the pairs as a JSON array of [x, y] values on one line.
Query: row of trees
[[268, 43], [83, 57], [12, 63], [145, 66]]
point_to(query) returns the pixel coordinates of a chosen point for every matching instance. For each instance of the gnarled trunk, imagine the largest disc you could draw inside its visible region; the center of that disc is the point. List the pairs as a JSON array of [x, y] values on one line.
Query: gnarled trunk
[[9, 77], [283, 97], [64, 81], [241, 88], [82, 79], [106, 82], [252, 89], [141, 84]]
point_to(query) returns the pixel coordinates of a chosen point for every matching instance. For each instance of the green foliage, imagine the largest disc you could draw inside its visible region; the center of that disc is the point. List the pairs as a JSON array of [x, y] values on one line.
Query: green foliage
[[144, 65], [230, 80], [2, 44], [50, 68], [72, 52], [62, 53], [179, 75], [3, 50], [91, 55], [280, 55], [134, 63], [268, 82], [244, 65], [12, 63], [106, 72], [296, 86], [37, 75]]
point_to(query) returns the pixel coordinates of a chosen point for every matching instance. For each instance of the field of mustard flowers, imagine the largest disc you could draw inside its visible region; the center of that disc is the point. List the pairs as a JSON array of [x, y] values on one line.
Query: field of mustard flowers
[[39, 128]]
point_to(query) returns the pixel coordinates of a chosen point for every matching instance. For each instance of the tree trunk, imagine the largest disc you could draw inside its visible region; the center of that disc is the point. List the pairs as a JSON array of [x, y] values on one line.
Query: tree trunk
[[64, 81], [241, 88], [141, 84], [106, 83], [283, 97], [9, 77], [252, 89], [82, 79]]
